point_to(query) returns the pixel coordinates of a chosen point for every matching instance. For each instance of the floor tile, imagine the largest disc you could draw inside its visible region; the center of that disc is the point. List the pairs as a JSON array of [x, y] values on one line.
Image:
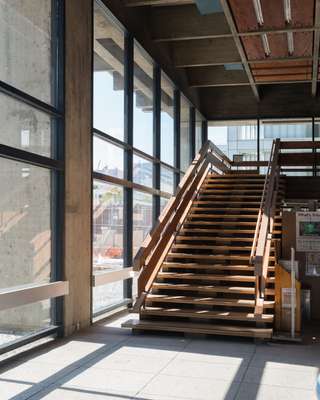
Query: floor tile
[[249, 391], [198, 369], [283, 377], [190, 388], [111, 381]]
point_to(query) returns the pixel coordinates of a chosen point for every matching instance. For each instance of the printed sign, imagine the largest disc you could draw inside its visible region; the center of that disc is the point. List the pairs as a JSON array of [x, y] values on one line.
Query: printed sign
[[313, 264], [308, 231]]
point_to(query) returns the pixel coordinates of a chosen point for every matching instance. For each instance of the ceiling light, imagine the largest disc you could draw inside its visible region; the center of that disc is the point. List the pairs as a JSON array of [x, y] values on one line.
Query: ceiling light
[[290, 43], [287, 11], [258, 11], [265, 43]]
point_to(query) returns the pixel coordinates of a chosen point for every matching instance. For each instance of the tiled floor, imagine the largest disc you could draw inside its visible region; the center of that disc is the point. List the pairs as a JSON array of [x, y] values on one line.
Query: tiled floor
[[108, 362]]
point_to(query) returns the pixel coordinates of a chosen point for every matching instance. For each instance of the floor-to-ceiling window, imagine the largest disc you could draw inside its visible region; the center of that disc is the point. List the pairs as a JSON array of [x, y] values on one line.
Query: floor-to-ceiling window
[[133, 113], [31, 165], [185, 155], [198, 131], [235, 138]]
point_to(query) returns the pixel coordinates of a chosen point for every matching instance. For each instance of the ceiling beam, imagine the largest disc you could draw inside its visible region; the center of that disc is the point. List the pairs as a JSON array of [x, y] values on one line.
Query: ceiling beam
[[199, 53], [316, 47], [237, 40], [142, 3]]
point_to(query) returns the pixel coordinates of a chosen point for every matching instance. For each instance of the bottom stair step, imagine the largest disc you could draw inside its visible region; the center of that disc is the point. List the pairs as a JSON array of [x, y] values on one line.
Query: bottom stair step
[[188, 327], [207, 314], [210, 301]]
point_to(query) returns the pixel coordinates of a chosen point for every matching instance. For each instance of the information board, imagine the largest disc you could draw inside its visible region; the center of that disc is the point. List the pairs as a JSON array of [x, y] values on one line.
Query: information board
[[308, 231]]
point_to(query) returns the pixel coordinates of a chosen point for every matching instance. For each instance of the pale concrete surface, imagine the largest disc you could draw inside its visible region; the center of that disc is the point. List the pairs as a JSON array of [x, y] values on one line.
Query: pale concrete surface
[[107, 362]]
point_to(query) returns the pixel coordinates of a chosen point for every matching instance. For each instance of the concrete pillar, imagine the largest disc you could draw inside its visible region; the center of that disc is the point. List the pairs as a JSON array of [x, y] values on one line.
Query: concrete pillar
[[78, 163]]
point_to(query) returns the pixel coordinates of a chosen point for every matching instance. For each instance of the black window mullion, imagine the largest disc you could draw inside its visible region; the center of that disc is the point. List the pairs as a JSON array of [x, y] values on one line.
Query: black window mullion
[[128, 159], [192, 133], [204, 132], [177, 136], [156, 138]]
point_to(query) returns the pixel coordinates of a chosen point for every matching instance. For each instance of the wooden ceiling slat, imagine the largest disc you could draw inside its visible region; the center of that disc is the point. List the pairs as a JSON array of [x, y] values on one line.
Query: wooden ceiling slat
[[282, 64], [283, 78], [281, 71]]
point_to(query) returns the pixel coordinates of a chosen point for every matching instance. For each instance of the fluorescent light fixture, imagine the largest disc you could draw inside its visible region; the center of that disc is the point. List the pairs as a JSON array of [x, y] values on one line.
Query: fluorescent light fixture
[[209, 6], [290, 43], [258, 11], [265, 43], [287, 11], [233, 67]]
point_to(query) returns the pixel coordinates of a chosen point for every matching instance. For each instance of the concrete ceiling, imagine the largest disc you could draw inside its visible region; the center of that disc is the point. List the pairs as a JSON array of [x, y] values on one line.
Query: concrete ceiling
[[238, 63]]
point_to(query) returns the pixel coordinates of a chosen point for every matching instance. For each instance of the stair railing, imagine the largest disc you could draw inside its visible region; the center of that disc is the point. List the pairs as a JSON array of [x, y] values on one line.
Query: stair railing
[[159, 241], [260, 251]]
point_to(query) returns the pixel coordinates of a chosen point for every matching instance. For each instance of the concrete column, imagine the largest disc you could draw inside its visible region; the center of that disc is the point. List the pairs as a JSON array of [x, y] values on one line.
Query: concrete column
[[78, 163]]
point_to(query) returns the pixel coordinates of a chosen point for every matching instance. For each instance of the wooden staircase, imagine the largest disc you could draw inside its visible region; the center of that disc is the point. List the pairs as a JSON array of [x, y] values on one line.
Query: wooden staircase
[[206, 283]]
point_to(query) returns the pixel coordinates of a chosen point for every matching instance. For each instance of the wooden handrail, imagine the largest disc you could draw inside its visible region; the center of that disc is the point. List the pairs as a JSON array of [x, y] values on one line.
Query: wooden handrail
[[157, 244], [260, 251]]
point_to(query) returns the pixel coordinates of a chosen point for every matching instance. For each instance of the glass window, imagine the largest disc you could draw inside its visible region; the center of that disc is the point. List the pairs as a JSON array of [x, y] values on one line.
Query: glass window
[[142, 218], [107, 158], [185, 134], [163, 203], [18, 322], [285, 130], [25, 224], [143, 101], [167, 120], [24, 127], [106, 296], [26, 47], [108, 81], [107, 227], [142, 171], [199, 120], [166, 180], [235, 138]]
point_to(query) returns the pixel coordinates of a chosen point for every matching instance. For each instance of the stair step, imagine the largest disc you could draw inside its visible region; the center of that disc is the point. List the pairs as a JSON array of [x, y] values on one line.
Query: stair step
[[206, 277], [230, 202], [211, 247], [228, 195], [226, 231], [226, 223], [206, 314], [209, 288], [230, 190], [206, 301], [225, 209], [213, 267], [188, 327], [227, 216], [209, 256], [227, 185], [210, 277], [182, 237]]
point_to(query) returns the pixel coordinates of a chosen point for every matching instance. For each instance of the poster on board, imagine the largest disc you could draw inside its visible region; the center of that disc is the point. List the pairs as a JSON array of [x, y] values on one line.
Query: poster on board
[[308, 231], [313, 264]]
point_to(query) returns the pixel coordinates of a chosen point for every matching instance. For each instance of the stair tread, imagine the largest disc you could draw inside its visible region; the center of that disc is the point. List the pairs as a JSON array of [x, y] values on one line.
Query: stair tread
[[206, 277], [201, 313], [206, 300], [212, 256], [208, 266], [213, 329], [211, 247], [228, 223], [209, 288], [181, 237], [208, 230], [209, 277]]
